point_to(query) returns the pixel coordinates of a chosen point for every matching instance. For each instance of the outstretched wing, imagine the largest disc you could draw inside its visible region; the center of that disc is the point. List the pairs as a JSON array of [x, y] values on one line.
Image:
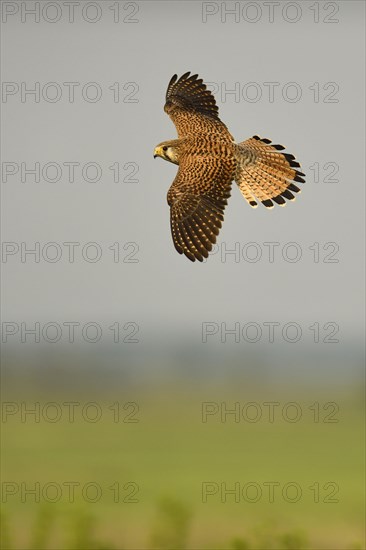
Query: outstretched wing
[[197, 200], [193, 108]]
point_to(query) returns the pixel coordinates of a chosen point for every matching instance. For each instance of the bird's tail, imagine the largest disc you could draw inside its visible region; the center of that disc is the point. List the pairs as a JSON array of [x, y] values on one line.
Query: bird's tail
[[266, 174]]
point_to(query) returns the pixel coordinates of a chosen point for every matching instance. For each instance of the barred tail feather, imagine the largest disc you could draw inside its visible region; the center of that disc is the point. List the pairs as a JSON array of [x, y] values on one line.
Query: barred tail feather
[[266, 173]]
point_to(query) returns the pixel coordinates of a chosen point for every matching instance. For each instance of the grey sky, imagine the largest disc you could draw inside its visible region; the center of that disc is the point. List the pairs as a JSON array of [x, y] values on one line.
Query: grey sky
[[164, 292]]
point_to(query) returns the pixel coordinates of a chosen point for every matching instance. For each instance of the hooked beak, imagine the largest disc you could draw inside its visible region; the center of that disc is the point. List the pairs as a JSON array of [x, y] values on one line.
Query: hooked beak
[[157, 152]]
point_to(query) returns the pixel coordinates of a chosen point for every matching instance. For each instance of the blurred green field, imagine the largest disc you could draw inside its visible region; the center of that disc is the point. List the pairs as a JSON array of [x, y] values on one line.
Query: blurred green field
[[163, 459]]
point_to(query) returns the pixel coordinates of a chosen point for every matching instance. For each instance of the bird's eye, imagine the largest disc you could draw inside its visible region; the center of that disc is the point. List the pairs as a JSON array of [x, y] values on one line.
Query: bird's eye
[[165, 148]]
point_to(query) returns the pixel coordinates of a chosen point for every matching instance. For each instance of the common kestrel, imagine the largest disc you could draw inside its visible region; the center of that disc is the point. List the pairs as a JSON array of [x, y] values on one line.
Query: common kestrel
[[209, 160]]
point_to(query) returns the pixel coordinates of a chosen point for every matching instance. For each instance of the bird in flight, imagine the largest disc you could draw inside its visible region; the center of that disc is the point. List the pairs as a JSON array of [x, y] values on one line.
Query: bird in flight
[[209, 161]]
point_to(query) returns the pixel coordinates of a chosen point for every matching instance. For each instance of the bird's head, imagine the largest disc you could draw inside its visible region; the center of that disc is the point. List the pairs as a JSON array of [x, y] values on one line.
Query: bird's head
[[167, 150]]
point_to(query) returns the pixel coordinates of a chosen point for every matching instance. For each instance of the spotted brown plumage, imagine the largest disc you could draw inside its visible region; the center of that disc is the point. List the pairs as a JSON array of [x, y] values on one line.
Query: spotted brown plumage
[[209, 160]]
